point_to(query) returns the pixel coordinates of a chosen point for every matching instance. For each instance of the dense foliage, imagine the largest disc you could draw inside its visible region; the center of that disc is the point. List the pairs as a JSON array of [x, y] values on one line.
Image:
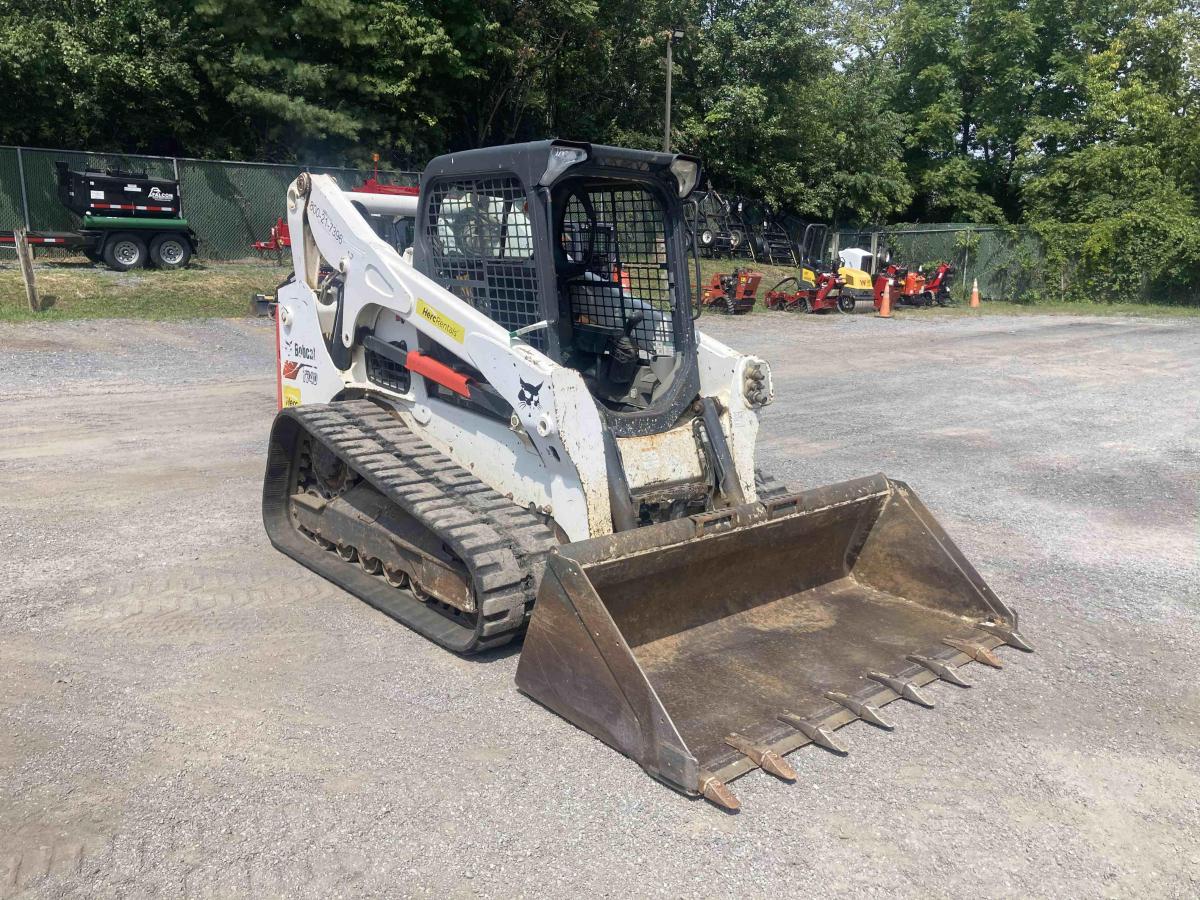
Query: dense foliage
[[1077, 117]]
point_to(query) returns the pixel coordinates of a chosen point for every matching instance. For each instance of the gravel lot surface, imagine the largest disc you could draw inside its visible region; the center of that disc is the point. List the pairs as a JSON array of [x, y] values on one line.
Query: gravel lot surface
[[185, 712]]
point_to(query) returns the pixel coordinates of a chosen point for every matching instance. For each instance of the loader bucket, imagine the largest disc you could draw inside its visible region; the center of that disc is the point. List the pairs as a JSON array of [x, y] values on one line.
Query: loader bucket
[[705, 647]]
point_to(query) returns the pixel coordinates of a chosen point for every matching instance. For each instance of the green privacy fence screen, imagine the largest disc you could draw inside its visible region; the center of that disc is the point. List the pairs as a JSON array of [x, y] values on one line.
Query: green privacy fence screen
[[230, 205], [1008, 260]]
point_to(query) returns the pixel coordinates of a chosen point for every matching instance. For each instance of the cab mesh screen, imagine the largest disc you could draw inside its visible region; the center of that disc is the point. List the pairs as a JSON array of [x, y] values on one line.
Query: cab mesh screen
[[627, 271], [482, 249]]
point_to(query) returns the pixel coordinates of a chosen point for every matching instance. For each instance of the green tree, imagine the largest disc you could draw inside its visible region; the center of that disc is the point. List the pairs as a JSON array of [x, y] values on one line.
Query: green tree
[[958, 62], [1075, 116], [322, 78], [114, 74], [854, 148], [1111, 179], [750, 70]]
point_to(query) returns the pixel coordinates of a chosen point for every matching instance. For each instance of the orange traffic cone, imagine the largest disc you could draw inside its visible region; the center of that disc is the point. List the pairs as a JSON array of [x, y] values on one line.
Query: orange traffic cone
[[885, 302], [975, 295]]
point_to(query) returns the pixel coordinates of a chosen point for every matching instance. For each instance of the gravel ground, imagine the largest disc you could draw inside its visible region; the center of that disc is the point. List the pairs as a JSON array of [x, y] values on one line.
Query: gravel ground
[[183, 711]]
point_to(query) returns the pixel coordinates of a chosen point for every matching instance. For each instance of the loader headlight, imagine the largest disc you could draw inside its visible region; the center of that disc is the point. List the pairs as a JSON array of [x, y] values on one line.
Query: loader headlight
[[686, 172], [561, 159]]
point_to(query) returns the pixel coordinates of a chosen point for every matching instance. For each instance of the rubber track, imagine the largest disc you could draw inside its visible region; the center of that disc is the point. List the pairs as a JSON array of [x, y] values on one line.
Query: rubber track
[[502, 545]]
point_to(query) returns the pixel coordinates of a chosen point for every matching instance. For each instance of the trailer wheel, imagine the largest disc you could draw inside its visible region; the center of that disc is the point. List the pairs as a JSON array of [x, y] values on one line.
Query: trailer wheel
[[846, 304], [170, 251], [124, 251]]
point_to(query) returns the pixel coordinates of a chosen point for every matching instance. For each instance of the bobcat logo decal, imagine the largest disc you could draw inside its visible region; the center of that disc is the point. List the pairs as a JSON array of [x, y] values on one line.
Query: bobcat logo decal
[[291, 369], [528, 395]]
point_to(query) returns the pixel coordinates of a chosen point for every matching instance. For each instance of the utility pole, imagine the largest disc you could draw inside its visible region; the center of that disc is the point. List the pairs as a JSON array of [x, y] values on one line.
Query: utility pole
[[672, 36]]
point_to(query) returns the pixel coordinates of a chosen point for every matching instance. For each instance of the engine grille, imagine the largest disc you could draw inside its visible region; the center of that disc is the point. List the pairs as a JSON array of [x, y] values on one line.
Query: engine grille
[[385, 372]]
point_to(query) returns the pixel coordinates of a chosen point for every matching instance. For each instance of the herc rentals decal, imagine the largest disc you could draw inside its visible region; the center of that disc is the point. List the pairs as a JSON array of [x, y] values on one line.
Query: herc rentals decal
[[440, 320], [291, 395]]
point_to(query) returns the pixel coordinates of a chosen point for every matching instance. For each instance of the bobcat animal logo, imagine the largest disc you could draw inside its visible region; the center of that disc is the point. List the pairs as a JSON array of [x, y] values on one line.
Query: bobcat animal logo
[[528, 395]]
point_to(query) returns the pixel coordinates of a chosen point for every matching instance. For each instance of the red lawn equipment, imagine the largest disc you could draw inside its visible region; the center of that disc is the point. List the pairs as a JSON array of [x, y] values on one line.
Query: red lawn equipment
[[374, 186], [818, 287], [278, 241], [734, 293], [938, 287], [910, 288], [793, 294]]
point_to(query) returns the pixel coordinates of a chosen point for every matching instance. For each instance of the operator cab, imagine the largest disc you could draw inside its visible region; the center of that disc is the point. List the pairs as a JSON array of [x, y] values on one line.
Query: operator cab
[[615, 293], [583, 251]]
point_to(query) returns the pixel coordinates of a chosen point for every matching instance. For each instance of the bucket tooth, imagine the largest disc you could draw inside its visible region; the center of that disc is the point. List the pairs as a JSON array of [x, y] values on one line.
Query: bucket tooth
[[864, 711], [716, 791], [1010, 636], [977, 652], [905, 689], [815, 733], [774, 764], [940, 669], [766, 759]]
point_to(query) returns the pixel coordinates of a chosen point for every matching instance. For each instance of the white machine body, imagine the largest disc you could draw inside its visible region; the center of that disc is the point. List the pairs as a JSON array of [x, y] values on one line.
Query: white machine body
[[550, 456]]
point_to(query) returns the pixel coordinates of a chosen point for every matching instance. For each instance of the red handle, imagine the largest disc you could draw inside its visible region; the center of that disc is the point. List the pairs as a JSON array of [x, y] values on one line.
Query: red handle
[[440, 372]]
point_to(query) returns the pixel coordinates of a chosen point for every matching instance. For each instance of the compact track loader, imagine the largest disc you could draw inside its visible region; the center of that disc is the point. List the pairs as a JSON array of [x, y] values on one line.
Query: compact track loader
[[518, 429]]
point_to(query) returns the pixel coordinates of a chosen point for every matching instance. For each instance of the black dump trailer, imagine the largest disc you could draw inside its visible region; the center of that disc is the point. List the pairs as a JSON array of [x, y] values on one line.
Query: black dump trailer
[[129, 220]]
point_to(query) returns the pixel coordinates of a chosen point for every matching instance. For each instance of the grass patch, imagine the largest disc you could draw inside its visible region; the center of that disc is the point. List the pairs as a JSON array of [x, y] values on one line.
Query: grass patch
[[83, 291]]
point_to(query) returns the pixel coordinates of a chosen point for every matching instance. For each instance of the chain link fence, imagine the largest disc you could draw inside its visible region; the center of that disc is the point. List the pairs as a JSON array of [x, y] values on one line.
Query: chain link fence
[[1007, 260], [229, 205]]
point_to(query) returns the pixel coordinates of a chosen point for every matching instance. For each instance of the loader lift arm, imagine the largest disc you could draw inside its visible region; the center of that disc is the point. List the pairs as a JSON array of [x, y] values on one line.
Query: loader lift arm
[[366, 277]]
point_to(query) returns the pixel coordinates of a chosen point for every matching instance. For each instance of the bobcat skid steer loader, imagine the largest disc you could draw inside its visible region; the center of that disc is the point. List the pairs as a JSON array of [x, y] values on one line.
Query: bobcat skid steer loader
[[520, 430]]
